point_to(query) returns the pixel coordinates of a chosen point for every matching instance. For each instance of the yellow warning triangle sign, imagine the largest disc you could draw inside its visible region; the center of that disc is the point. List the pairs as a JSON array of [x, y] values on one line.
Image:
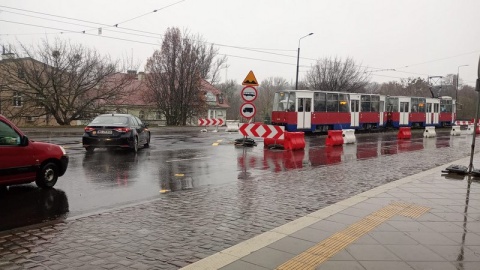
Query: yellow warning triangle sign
[[250, 79]]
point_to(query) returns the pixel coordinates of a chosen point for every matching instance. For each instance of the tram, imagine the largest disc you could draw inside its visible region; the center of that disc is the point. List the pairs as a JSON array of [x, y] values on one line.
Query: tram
[[320, 111]]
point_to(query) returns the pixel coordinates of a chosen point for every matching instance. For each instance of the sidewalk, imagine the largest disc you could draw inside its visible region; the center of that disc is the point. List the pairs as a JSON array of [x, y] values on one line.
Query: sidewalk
[[425, 221]]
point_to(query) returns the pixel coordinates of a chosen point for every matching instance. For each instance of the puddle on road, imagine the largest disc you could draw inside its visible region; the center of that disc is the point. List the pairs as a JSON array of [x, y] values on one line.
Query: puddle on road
[[316, 153]]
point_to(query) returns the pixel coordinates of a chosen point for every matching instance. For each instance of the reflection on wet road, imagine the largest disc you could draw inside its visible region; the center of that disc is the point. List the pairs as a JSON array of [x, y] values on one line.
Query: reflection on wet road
[[108, 179]]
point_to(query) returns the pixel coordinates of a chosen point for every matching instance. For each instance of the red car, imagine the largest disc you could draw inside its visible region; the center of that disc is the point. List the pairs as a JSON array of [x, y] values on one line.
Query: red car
[[23, 160]]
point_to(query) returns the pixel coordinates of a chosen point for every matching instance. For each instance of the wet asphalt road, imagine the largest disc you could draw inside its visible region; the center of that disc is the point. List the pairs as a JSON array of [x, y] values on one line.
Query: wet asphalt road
[[179, 161], [226, 195]]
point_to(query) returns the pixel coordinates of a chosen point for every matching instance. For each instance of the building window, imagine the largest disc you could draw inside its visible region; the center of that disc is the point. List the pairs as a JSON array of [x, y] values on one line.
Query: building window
[[141, 115], [39, 100], [17, 100], [210, 97], [158, 115], [21, 74], [220, 99]]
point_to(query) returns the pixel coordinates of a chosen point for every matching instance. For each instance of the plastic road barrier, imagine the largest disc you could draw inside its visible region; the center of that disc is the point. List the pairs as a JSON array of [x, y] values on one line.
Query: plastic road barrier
[[232, 125], [470, 130], [404, 133], [429, 132], [349, 136], [334, 137], [455, 131], [294, 140]]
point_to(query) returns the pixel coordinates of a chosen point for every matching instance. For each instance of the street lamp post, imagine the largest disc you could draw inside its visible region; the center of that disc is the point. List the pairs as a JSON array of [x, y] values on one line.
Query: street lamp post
[[458, 79], [298, 59]]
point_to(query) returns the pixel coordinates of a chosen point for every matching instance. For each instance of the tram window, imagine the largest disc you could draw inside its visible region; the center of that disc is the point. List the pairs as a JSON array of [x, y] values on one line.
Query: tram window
[[342, 103], [435, 107], [308, 105], [445, 105], [375, 103], [319, 100], [392, 104], [283, 101], [300, 104], [291, 102], [429, 107], [332, 102], [278, 104], [421, 107]]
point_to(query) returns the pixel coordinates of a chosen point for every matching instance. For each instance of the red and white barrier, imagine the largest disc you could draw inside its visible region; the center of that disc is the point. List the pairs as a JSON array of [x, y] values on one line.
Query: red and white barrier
[[463, 123], [262, 130], [404, 133], [291, 141], [334, 137], [210, 122]]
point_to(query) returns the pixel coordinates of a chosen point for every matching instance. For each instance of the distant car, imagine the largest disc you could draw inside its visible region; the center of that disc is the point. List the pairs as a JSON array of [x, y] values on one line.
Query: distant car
[[116, 131], [23, 160]]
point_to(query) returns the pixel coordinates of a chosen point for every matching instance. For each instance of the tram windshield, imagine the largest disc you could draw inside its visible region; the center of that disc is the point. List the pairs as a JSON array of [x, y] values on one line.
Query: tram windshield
[[284, 101], [446, 105]]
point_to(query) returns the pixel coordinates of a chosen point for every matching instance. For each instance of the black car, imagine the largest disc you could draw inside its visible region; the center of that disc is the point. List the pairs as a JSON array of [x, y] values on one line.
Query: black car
[[116, 131]]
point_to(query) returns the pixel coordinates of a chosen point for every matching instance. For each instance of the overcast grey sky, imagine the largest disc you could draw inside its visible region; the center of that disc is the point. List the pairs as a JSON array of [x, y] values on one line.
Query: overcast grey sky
[[417, 38]]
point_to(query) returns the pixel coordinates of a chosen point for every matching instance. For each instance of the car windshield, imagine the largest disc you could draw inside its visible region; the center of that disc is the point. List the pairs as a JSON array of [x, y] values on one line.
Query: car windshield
[[110, 120]]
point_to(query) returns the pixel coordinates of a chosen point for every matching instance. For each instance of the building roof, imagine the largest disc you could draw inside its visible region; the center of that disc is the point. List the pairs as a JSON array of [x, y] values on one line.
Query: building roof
[[137, 91]]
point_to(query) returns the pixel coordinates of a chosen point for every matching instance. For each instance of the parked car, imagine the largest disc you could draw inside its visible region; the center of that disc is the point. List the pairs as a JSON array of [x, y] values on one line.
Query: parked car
[[23, 160], [116, 131]]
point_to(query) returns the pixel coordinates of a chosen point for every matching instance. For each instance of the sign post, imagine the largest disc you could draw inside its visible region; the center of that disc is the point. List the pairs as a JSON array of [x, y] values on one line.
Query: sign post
[[247, 109]]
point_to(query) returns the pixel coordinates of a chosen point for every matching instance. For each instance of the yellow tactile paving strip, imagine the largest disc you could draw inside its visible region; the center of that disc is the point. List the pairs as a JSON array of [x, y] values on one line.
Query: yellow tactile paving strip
[[324, 250]]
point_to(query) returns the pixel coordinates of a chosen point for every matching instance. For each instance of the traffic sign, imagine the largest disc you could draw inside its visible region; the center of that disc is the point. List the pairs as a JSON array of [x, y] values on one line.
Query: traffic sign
[[210, 121], [249, 93], [262, 130], [250, 79], [248, 110]]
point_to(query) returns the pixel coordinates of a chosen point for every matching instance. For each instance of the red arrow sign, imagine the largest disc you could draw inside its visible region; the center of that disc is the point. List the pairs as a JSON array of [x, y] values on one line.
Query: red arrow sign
[[210, 121], [262, 130]]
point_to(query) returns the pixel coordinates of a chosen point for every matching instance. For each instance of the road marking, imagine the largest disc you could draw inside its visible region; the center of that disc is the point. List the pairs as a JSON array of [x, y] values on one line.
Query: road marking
[[179, 174], [316, 255], [217, 143]]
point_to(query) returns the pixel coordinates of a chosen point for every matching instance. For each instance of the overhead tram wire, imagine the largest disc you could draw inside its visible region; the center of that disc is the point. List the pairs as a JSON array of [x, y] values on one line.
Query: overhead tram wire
[[440, 59], [116, 25], [160, 35], [133, 30], [263, 50], [148, 43], [76, 24]]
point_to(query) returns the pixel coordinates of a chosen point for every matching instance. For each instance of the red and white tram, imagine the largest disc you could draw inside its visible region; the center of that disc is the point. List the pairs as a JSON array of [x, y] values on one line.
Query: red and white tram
[[319, 111]]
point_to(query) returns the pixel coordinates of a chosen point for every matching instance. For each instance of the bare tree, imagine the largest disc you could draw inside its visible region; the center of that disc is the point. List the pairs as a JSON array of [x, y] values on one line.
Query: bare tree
[[336, 75], [467, 98], [174, 74], [62, 80], [266, 93], [231, 91]]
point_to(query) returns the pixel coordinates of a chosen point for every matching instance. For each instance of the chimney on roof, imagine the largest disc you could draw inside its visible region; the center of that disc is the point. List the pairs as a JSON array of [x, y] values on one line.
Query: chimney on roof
[[7, 55], [140, 75], [132, 73]]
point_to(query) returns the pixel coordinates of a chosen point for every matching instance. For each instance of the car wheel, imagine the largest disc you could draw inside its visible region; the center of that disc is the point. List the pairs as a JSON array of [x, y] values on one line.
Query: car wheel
[[90, 149], [147, 144], [47, 176], [135, 144]]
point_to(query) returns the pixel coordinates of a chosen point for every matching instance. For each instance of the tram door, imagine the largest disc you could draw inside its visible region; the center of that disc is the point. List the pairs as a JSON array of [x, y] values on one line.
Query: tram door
[[404, 110], [429, 114], [432, 111], [382, 110], [355, 110], [304, 112]]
